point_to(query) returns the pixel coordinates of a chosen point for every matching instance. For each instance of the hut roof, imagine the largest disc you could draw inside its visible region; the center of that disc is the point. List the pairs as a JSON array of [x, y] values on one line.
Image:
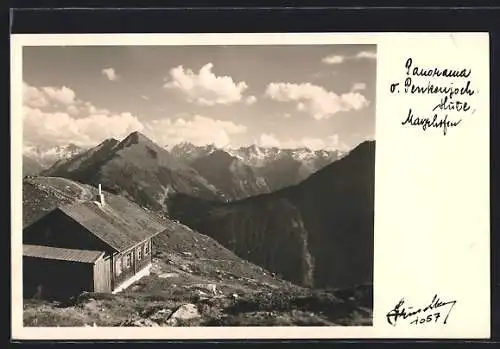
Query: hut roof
[[119, 223], [65, 254]]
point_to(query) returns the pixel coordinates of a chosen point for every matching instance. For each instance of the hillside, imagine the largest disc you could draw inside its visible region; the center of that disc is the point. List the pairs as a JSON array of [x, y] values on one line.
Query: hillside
[[230, 175], [137, 168], [318, 233], [186, 266], [284, 167]]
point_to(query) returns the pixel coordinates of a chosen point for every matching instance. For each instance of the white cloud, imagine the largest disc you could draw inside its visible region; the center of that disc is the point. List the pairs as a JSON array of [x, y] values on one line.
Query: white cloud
[[269, 140], [89, 108], [59, 128], [199, 130], [333, 59], [61, 95], [146, 98], [110, 74], [72, 110], [45, 127], [329, 143], [358, 86], [287, 115], [250, 100], [315, 100], [205, 87], [367, 55], [43, 97], [338, 59], [34, 97]]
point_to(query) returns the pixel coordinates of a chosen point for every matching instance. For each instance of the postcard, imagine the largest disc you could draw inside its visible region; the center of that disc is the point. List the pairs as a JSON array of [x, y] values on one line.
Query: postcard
[[240, 186]]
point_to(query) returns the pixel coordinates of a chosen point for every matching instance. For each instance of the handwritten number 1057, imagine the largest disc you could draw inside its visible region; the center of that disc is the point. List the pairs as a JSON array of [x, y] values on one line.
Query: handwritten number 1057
[[428, 318]]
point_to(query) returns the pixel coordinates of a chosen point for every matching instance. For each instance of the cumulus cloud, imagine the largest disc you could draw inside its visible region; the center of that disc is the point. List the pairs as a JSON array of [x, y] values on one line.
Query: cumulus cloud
[[358, 86], [333, 59], [43, 97], [338, 59], [110, 73], [366, 55], [49, 119], [59, 128], [269, 140], [205, 87], [34, 97], [315, 100], [250, 100], [72, 110], [329, 143], [199, 130], [61, 95]]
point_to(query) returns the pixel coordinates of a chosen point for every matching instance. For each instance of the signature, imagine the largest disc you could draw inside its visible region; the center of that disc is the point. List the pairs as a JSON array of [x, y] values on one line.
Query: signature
[[400, 311]]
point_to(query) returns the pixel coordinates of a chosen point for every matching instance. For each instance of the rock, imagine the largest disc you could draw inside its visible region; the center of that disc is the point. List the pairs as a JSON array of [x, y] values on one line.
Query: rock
[[201, 293], [212, 288], [161, 316], [189, 254], [184, 312], [185, 268], [139, 323], [234, 296], [168, 275]]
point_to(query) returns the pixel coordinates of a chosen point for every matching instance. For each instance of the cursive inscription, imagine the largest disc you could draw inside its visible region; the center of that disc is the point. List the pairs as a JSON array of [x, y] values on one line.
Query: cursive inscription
[[432, 312], [452, 89], [425, 122]]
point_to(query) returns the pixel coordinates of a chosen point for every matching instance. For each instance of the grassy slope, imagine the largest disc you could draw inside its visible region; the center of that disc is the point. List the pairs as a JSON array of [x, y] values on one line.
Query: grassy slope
[[185, 262]]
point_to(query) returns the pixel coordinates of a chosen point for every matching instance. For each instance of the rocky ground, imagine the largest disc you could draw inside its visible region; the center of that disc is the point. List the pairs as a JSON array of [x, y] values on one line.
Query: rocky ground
[[194, 281]]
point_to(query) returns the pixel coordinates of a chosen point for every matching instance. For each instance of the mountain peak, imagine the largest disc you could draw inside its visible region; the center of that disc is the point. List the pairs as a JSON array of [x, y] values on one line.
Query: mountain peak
[[366, 147], [135, 138]]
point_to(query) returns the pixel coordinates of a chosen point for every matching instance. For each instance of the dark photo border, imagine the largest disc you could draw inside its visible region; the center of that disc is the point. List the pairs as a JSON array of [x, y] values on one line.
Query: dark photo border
[[319, 19]]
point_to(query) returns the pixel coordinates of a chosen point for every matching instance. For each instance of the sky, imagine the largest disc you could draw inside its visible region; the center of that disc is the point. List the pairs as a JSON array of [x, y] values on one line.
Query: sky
[[316, 96]]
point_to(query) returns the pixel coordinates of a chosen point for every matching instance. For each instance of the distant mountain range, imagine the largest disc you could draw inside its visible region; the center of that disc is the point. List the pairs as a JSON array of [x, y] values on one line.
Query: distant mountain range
[[317, 233], [279, 168], [48, 156], [148, 173], [137, 168]]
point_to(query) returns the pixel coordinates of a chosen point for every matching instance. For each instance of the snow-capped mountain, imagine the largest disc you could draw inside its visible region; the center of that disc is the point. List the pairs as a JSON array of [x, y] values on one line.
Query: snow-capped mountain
[[260, 156], [277, 167], [47, 156], [254, 155], [190, 152]]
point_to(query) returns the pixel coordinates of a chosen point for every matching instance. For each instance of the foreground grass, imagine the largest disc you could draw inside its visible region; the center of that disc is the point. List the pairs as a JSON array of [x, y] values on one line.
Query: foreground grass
[[275, 308]]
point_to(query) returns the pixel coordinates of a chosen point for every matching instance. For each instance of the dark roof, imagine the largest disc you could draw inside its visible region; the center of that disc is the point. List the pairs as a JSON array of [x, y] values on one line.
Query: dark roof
[[63, 254], [119, 223]]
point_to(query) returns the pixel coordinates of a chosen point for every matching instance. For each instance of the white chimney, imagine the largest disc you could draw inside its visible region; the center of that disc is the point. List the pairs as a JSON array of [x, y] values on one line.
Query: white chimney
[[101, 196]]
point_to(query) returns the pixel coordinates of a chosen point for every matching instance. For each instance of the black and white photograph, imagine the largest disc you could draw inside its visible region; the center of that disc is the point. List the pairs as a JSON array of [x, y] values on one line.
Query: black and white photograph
[[209, 185]]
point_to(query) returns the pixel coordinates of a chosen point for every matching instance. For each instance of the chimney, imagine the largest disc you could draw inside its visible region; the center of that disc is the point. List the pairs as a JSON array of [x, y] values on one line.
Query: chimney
[[101, 196]]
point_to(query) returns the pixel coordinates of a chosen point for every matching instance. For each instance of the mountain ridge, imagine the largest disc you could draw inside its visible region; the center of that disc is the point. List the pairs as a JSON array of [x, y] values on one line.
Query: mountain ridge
[[136, 167], [303, 232]]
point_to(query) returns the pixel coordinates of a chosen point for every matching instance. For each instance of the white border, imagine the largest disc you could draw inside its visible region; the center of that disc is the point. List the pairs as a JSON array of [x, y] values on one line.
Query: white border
[[385, 43]]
